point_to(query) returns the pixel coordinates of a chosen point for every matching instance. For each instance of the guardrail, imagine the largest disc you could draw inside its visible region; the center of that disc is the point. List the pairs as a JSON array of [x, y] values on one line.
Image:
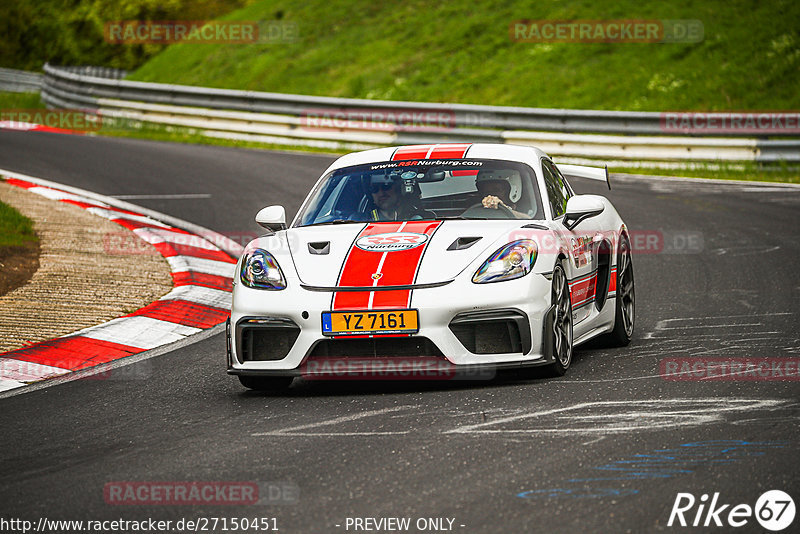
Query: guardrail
[[285, 119], [20, 81]]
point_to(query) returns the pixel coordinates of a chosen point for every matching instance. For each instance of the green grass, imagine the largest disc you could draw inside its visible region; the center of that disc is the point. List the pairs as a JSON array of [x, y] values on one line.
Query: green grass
[[16, 230], [181, 134], [71, 32], [723, 171], [461, 51], [10, 101]]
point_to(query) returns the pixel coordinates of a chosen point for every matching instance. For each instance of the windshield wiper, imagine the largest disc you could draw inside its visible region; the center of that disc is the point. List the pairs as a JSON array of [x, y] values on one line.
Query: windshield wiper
[[460, 218], [335, 221]]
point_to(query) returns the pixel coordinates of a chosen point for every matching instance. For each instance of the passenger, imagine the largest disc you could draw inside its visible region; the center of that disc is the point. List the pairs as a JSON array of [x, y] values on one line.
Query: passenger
[[500, 188]]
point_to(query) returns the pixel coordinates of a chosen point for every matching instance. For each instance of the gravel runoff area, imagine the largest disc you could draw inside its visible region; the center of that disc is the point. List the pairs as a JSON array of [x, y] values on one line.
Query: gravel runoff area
[[91, 270]]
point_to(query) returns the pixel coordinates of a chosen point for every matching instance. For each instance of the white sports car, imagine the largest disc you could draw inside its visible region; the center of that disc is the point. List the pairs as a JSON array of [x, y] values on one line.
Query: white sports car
[[423, 261]]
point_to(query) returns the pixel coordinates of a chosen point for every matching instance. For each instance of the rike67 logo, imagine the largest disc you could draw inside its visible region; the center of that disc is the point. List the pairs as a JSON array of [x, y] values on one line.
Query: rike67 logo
[[774, 511]]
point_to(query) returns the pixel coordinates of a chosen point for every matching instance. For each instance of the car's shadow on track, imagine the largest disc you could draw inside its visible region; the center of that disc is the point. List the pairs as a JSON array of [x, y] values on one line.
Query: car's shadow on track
[[302, 388]]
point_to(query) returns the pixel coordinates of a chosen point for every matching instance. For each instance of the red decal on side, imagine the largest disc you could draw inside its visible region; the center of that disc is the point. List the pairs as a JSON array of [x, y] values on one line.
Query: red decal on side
[[612, 285], [583, 289]]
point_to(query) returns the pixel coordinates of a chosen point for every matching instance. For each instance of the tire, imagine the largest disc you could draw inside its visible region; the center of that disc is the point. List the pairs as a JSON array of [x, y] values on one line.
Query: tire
[[274, 384], [625, 301], [561, 332]]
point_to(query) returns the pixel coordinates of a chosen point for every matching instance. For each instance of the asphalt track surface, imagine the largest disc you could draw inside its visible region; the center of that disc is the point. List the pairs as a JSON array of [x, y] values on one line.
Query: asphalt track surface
[[515, 454]]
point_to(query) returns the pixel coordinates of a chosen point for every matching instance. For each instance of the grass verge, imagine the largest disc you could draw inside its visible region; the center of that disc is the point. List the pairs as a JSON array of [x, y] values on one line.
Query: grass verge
[[748, 57], [746, 172], [16, 230], [181, 134], [10, 101], [19, 249]]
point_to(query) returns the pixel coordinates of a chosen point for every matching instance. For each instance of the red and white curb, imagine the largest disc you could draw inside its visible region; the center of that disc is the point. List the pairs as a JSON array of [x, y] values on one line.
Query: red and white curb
[[202, 275], [33, 127]]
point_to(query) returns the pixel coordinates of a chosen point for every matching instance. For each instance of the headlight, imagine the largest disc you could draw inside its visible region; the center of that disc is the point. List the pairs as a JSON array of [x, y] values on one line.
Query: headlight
[[261, 271], [508, 262]]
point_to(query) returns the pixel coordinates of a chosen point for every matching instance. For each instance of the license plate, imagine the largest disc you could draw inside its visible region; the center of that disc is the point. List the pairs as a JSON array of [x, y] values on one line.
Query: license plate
[[370, 322]]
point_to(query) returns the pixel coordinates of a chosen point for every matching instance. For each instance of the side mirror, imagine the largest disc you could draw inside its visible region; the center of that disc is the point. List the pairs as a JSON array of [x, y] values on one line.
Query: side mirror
[[272, 218], [582, 207]]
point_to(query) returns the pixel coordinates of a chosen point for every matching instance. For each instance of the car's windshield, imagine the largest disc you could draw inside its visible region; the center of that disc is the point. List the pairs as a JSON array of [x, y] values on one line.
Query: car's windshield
[[424, 190]]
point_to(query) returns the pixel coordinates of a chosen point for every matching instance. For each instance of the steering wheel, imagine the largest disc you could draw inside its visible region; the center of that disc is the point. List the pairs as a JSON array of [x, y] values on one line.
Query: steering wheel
[[479, 210]]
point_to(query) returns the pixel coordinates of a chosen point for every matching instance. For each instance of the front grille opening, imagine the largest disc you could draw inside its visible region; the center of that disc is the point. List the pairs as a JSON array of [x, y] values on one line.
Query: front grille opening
[[265, 344], [489, 337], [376, 347]]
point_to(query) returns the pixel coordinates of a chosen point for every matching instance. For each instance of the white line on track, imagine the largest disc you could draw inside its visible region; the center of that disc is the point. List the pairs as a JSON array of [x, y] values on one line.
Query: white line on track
[[158, 197], [291, 431], [626, 416], [332, 434], [709, 326]]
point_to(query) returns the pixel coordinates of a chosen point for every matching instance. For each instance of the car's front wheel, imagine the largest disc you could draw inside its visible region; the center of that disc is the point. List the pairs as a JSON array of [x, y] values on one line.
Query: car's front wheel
[[561, 332], [274, 384]]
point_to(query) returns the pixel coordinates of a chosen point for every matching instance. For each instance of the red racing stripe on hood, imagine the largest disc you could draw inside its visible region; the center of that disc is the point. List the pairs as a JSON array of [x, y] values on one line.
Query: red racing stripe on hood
[[390, 267]]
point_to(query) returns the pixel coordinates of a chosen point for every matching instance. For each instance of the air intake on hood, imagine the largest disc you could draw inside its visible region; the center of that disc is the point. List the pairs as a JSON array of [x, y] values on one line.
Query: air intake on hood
[[463, 243], [320, 247]]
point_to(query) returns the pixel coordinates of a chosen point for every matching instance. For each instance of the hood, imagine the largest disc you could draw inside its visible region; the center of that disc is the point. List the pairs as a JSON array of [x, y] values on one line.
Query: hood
[[394, 253]]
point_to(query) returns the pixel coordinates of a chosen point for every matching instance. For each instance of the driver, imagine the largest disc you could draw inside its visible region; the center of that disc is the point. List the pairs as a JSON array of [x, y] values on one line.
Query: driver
[[500, 188], [388, 202]]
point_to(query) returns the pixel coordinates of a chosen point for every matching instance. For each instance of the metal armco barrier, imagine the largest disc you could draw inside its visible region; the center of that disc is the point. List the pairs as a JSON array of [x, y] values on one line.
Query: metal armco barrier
[[283, 119], [20, 81]]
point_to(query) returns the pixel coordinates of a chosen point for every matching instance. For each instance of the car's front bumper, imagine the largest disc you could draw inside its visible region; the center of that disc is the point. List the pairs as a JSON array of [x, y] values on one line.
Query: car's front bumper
[[524, 301]]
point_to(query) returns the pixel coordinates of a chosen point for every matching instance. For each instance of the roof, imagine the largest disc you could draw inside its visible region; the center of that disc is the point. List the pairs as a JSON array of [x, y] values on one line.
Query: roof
[[440, 151]]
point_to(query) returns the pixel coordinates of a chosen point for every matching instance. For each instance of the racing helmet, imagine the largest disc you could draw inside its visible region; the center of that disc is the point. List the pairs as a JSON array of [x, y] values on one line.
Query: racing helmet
[[510, 177]]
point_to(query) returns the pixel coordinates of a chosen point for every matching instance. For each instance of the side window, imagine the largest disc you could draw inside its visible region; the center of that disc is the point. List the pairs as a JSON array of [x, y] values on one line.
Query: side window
[[562, 182], [557, 192]]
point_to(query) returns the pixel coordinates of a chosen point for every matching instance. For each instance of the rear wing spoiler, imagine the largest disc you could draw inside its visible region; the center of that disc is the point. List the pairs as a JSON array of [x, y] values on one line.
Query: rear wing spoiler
[[592, 173]]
